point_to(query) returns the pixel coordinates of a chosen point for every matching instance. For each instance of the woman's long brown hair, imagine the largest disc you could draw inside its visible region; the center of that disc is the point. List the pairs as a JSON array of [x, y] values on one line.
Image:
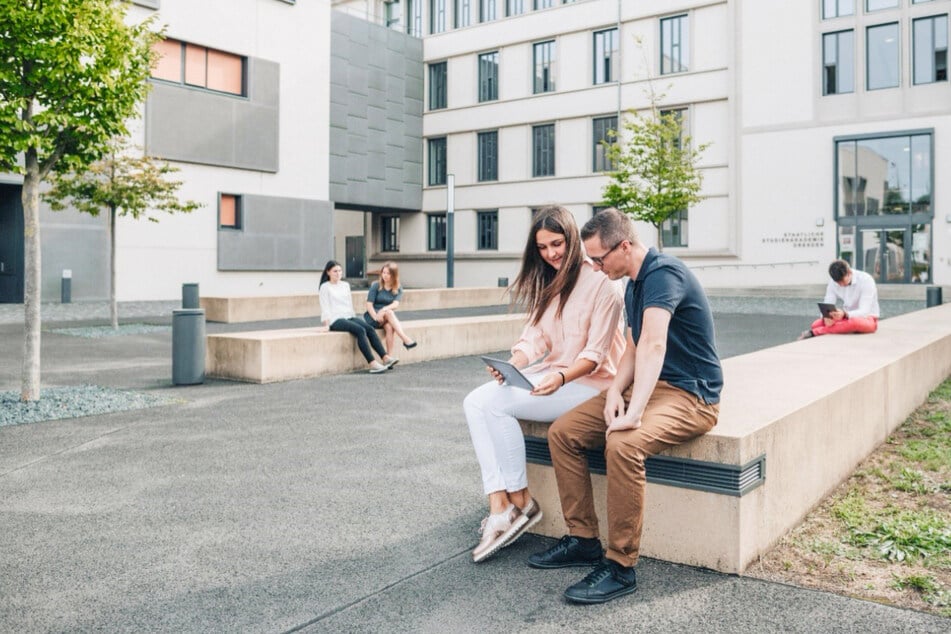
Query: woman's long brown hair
[[538, 283]]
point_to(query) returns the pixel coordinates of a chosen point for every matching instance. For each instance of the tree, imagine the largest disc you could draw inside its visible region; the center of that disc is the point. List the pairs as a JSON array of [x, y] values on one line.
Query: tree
[[125, 184], [656, 174], [71, 73]]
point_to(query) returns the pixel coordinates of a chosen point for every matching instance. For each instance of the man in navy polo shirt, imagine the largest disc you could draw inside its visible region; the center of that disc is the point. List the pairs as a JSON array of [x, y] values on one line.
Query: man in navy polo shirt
[[667, 391]]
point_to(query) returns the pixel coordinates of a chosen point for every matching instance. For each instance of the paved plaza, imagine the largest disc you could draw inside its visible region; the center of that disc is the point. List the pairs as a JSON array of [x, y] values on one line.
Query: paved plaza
[[343, 503]]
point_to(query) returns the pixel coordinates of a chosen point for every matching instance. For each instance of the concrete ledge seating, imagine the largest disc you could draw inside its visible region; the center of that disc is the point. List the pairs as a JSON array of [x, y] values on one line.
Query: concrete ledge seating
[[245, 309], [795, 421], [296, 353]]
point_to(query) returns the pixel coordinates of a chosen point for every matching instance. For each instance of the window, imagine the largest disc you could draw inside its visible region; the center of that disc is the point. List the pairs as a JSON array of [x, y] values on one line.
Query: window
[[596, 209], [489, 76], [838, 72], [414, 21], [488, 230], [514, 7], [488, 156], [436, 232], [543, 150], [229, 211], [487, 11], [392, 15], [673, 231], [544, 62], [463, 13], [680, 116], [837, 8], [389, 233], [884, 175], [605, 54], [878, 5], [599, 136], [930, 54], [543, 4], [437, 161], [195, 65], [437, 16], [881, 57], [437, 86], [674, 49]]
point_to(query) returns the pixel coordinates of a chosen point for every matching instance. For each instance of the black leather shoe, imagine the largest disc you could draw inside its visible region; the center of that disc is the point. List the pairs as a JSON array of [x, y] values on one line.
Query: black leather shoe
[[569, 551], [608, 581]]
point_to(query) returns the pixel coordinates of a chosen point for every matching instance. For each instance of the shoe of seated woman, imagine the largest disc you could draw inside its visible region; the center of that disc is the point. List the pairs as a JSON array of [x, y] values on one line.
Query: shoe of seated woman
[[389, 364], [376, 368], [410, 345]]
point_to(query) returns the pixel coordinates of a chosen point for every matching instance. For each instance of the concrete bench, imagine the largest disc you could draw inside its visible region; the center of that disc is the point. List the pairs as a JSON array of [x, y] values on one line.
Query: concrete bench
[[297, 353], [245, 309], [795, 421]]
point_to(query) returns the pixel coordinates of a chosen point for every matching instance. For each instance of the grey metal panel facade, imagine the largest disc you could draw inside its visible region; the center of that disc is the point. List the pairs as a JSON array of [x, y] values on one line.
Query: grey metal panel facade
[[278, 234], [78, 242], [376, 115], [201, 126]]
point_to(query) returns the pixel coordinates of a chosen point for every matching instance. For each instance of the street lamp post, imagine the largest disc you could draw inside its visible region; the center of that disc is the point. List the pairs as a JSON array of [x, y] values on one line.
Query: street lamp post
[[450, 204]]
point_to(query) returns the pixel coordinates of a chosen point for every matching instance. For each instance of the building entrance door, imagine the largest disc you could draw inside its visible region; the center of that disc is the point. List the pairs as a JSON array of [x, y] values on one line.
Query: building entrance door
[[11, 245], [886, 254], [354, 257]]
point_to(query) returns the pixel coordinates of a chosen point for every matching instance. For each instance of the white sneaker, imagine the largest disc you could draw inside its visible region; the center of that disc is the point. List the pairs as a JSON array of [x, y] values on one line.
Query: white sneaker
[[496, 529], [393, 361], [376, 367]]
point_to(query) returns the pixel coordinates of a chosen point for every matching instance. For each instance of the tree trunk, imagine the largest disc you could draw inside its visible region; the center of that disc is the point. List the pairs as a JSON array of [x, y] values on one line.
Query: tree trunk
[[660, 237], [30, 389], [113, 307]]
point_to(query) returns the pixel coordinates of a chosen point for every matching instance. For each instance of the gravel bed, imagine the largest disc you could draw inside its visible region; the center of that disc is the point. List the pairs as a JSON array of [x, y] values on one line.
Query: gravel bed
[[72, 402], [98, 332]]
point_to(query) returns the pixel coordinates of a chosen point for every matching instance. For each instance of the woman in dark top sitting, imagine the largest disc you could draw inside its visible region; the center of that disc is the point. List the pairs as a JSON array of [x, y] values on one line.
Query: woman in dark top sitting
[[382, 302]]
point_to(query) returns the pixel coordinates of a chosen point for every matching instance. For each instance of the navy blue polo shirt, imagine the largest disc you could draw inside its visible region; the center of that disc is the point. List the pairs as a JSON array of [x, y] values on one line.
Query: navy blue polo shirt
[[691, 362]]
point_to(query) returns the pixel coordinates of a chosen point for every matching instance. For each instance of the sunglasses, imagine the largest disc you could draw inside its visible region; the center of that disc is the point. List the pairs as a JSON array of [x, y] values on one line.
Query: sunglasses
[[600, 259]]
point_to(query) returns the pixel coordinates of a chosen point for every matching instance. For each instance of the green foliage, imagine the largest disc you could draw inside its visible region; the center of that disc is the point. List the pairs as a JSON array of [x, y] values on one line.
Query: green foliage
[[906, 535], [656, 174], [124, 182], [71, 73]]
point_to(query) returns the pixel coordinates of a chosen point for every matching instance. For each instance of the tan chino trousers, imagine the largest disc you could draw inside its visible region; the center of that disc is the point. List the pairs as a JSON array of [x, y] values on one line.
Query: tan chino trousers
[[672, 416]]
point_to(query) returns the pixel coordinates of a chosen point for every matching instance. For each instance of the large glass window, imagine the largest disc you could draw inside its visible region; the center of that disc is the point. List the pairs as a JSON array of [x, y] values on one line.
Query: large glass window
[[599, 136], [605, 56], [674, 45], [199, 66], [436, 232], [437, 161], [544, 63], [543, 4], [414, 21], [514, 7], [673, 231], [837, 8], [930, 55], [463, 13], [838, 66], [543, 150], [488, 159], [389, 233], [437, 86], [878, 5], [229, 211], [489, 76], [881, 58], [487, 10], [679, 115], [488, 230], [437, 16]]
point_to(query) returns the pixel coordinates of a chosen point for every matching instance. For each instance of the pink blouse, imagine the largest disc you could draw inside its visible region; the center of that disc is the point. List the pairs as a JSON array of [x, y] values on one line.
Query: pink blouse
[[590, 327]]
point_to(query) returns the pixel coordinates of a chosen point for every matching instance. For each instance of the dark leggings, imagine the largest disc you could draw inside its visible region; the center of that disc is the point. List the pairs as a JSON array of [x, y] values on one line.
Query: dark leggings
[[365, 334]]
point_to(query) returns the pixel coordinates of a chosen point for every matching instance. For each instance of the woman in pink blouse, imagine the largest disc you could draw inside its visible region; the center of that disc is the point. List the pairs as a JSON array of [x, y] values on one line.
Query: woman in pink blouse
[[569, 350]]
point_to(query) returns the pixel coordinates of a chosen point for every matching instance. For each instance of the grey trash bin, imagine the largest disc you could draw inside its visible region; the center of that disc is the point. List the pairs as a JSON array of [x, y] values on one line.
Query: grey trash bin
[[933, 296], [188, 346]]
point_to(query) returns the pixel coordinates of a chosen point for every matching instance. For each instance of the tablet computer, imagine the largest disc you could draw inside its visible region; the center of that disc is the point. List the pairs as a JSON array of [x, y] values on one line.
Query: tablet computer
[[825, 309], [513, 376]]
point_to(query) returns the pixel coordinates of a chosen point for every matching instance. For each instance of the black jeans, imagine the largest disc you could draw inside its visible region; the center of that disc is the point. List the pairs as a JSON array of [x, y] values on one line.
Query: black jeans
[[365, 334]]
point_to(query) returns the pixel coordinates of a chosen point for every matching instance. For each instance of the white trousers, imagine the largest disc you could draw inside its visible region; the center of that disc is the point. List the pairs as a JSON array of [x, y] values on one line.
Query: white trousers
[[492, 411]]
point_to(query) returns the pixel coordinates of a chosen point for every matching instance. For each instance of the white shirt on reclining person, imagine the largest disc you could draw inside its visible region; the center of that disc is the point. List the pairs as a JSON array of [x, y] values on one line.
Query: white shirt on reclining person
[[859, 298]]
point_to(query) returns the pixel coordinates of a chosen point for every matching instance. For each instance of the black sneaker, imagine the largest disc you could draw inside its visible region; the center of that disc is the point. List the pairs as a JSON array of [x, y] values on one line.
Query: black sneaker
[[608, 581], [569, 551]]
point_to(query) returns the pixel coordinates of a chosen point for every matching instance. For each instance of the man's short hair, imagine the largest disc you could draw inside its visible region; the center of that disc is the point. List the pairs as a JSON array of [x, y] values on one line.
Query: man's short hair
[[838, 270], [611, 226]]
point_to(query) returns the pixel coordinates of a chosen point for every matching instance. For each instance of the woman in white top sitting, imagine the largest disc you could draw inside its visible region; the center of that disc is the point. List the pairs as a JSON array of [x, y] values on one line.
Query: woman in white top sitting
[[336, 311]]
